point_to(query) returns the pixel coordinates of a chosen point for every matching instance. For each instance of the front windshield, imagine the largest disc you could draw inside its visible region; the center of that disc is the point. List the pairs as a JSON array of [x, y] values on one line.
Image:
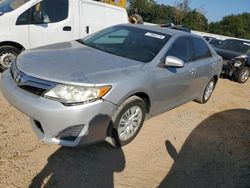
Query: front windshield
[[129, 42], [10, 5], [239, 46]]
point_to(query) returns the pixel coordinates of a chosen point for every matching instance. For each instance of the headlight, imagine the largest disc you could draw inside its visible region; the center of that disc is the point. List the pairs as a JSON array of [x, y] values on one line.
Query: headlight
[[71, 95], [237, 64]]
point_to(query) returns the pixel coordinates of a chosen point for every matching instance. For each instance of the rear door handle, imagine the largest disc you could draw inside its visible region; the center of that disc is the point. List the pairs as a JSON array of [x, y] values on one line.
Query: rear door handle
[[67, 28], [213, 65]]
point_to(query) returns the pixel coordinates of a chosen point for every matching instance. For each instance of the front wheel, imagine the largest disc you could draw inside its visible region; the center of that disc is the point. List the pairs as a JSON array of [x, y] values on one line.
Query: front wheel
[[129, 119], [7, 55], [242, 75]]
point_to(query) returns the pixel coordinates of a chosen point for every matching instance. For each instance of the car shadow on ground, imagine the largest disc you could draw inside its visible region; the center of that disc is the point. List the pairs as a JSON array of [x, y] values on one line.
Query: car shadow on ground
[[91, 166], [216, 154]]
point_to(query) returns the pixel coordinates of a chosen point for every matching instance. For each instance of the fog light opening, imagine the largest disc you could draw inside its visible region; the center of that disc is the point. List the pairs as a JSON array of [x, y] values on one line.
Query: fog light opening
[[70, 133], [39, 126]]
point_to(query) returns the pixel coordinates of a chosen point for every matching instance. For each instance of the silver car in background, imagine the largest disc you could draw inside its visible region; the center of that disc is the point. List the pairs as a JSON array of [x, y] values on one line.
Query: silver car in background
[[104, 86]]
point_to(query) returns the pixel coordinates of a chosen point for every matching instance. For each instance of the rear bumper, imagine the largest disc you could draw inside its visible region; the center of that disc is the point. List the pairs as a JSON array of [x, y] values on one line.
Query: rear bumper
[[49, 118]]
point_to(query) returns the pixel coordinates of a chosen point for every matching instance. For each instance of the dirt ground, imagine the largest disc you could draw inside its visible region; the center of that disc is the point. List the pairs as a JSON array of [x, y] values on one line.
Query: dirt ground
[[191, 146]]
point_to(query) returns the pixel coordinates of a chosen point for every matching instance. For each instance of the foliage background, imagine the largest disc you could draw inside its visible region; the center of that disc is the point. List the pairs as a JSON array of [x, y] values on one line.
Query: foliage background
[[182, 14]]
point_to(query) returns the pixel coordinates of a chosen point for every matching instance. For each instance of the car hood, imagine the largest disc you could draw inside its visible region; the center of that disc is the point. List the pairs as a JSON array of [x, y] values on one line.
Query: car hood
[[73, 62], [227, 54]]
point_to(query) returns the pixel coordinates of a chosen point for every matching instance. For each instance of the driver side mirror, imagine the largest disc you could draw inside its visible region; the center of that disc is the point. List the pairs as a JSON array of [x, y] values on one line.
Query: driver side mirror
[[38, 17], [171, 61]]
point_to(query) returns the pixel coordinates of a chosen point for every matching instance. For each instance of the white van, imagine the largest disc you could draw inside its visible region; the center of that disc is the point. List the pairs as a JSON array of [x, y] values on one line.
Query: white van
[[26, 24]]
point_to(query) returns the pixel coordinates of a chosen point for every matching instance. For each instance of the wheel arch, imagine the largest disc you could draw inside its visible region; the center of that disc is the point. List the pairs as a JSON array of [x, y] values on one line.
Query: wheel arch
[[144, 96], [14, 44], [216, 77], [139, 93]]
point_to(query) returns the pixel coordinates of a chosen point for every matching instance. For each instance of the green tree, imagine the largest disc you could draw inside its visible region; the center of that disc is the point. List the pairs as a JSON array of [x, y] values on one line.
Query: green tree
[[161, 14], [186, 5], [233, 25], [195, 21]]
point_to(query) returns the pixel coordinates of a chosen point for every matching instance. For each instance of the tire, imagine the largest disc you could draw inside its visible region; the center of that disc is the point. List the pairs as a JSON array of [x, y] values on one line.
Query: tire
[[126, 130], [207, 93], [242, 75], [7, 54]]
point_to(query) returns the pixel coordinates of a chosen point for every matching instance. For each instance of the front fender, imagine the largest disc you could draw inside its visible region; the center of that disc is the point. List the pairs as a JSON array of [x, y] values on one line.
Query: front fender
[[141, 83]]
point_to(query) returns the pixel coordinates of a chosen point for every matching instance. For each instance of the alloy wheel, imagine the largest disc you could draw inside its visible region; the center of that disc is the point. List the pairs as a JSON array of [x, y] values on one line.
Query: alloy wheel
[[129, 123], [245, 75], [6, 59], [209, 90]]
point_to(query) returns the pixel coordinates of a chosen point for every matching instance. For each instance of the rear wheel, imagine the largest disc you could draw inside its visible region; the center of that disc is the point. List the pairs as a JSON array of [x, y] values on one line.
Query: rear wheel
[[7, 55], [242, 75], [207, 92], [128, 121]]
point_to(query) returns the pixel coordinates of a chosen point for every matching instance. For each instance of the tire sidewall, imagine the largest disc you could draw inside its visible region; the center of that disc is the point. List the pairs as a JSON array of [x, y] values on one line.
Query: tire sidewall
[[203, 96], [240, 73], [133, 101]]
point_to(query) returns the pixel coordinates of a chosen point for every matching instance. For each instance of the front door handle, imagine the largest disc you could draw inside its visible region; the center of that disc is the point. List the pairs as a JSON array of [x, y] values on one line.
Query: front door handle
[[67, 28], [192, 71], [87, 29]]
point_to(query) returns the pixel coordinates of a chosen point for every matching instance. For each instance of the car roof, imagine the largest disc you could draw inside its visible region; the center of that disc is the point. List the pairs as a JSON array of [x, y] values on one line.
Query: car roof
[[238, 40], [159, 29]]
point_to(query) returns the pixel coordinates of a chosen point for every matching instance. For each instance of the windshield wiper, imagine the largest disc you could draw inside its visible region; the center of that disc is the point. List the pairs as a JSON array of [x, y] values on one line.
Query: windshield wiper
[[90, 45], [80, 41]]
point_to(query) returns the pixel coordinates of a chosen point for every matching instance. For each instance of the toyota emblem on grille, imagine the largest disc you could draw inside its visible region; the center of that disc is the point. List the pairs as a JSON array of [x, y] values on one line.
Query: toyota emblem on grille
[[18, 78]]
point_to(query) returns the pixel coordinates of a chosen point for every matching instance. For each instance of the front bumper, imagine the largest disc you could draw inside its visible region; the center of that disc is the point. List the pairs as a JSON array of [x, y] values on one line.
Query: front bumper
[[227, 69], [49, 118]]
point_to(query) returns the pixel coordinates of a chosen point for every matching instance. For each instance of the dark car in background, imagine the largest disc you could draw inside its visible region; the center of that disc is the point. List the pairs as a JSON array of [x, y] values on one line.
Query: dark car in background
[[236, 56], [213, 41]]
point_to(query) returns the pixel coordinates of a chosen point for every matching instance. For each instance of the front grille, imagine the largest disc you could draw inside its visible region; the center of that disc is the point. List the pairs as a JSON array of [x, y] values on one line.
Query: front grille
[[28, 83], [34, 90]]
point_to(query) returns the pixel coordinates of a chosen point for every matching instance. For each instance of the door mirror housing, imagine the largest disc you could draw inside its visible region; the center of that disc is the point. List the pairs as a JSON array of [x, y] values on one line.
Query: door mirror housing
[[171, 61]]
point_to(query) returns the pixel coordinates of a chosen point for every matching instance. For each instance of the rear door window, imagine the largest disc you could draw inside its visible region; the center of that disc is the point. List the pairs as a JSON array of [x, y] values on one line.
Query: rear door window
[[201, 49]]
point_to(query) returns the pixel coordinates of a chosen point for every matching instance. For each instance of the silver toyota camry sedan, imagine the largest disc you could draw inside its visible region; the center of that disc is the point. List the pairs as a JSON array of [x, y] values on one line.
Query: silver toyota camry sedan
[[104, 86]]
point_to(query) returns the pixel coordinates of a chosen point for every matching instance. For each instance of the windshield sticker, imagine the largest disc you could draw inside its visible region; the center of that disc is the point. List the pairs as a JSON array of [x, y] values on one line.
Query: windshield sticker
[[248, 44], [154, 35]]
